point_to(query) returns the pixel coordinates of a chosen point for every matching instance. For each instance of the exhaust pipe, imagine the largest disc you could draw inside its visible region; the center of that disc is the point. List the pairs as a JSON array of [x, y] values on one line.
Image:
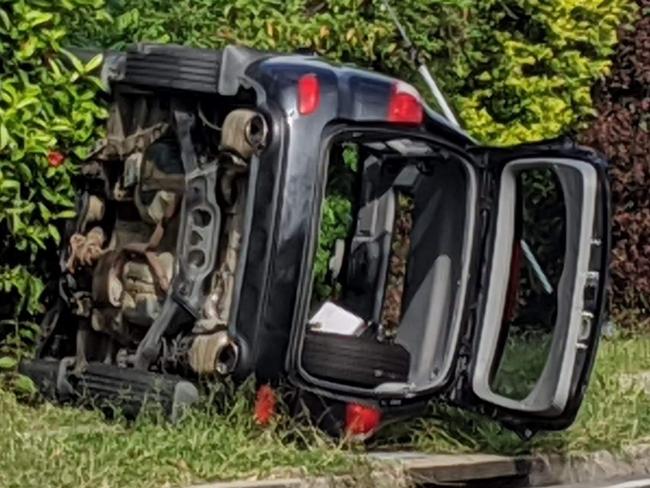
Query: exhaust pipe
[[213, 353]]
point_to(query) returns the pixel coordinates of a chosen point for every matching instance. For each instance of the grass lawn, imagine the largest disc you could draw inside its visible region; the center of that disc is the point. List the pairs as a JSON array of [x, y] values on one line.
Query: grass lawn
[[63, 447], [614, 414]]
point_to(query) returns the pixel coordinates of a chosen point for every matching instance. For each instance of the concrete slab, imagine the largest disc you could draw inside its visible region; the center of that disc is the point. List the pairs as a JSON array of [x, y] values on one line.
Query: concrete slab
[[406, 468]]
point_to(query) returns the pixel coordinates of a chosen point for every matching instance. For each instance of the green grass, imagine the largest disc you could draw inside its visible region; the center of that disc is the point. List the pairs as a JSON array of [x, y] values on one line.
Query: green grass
[[522, 362], [613, 415], [64, 447]]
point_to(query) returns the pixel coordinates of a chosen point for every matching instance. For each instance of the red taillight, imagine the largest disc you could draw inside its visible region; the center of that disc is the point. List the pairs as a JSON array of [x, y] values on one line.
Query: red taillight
[[265, 405], [405, 105], [308, 94], [361, 420]]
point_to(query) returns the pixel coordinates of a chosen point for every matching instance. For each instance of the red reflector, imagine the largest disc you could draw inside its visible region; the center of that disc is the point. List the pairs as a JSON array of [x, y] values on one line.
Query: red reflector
[[361, 420], [308, 94], [405, 106], [265, 405]]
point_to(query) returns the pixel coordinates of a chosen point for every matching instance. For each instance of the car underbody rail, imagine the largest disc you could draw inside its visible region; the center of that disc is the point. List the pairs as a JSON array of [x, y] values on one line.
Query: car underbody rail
[[110, 388]]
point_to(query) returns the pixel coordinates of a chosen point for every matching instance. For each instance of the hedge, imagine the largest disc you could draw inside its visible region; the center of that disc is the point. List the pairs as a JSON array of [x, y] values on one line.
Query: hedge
[[621, 132], [49, 120], [517, 70]]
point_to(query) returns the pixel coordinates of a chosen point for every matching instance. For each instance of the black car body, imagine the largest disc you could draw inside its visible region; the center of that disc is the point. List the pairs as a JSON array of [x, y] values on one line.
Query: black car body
[[292, 111]]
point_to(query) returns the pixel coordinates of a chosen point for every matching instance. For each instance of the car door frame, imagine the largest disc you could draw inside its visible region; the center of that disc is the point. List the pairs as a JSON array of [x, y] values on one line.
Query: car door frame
[[467, 392]]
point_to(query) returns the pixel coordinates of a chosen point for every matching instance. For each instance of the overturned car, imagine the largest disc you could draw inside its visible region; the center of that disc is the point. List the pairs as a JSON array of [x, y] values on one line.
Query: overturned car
[[469, 274]]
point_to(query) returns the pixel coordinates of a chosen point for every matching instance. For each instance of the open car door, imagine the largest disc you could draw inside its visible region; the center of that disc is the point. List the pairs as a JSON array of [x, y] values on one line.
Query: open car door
[[533, 337]]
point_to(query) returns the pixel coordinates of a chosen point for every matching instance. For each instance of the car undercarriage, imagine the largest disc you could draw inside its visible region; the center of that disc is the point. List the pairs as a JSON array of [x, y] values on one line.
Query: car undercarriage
[[148, 269]]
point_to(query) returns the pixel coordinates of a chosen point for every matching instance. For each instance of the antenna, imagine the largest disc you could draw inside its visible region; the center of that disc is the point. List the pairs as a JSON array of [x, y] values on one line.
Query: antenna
[[451, 117], [423, 69]]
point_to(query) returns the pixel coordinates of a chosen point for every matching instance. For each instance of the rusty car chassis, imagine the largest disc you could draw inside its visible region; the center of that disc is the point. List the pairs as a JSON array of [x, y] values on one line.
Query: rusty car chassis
[[193, 252]]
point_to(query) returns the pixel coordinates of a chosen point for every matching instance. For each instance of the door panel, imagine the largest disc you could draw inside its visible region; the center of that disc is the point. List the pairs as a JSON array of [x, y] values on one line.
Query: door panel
[[550, 335]]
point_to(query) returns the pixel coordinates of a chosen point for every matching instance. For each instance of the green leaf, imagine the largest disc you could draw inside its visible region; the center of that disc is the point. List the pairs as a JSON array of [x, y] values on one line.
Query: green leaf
[[23, 384], [8, 363], [54, 232], [10, 185], [50, 196], [36, 17], [25, 102], [56, 67], [74, 60], [45, 212], [28, 48], [4, 137], [5, 19], [94, 63], [27, 334], [66, 214], [24, 171]]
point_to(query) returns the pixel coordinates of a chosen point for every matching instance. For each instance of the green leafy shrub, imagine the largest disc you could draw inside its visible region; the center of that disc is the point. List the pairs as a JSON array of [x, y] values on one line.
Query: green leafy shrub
[[517, 70], [337, 218], [48, 122], [539, 60]]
